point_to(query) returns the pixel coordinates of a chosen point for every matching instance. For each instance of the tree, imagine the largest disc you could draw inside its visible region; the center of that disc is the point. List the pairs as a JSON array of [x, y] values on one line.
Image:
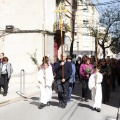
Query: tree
[[75, 2], [115, 48], [109, 19]]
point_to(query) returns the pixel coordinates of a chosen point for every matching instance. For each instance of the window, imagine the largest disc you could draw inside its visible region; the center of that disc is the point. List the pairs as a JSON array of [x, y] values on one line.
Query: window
[[85, 45], [85, 10], [85, 22], [75, 33], [85, 31], [86, 34]]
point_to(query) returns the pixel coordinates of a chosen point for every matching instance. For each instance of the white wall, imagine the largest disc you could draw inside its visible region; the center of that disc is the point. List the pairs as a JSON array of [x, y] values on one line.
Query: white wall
[[25, 15]]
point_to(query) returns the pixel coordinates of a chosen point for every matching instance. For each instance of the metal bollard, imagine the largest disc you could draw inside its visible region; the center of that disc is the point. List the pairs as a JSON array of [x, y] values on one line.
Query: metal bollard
[[22, 81], [118, 116]]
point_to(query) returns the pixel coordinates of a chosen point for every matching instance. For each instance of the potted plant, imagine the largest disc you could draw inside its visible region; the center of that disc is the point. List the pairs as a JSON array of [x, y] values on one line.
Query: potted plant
[[65, 26]]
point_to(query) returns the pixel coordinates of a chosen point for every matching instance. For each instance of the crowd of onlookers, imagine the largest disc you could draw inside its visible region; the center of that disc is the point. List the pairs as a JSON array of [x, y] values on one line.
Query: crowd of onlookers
[[5, 73], [110, 69]]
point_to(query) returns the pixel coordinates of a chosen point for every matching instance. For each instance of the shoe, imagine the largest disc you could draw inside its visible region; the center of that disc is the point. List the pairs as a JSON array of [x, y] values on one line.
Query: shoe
[[82, 99], [41, 106], [94, 109], [86, 100], [107, 100], [48, 103], [60, 104], [4, 94], [63, 106], [103, 101], [98, 109]]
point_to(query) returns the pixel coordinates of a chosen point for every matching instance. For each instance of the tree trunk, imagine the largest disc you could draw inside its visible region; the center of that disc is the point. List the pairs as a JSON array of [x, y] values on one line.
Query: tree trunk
[[104, 53], [73, 27], [96, 51], [71, 48]]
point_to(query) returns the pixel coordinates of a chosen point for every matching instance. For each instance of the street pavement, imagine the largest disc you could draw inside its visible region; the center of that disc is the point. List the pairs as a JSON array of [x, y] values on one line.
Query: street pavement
[[15, 94], [25, 107]]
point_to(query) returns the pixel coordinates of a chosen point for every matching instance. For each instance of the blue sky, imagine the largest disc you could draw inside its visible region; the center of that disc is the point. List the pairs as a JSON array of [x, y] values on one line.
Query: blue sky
[[102, 1], [105, 2]]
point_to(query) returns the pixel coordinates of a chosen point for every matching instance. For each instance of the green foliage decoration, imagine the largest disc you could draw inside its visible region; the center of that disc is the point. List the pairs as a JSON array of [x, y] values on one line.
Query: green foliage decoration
[[33, 57]]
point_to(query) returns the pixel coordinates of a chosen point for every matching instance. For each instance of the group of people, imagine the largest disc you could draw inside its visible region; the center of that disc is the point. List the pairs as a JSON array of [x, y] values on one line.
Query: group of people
[[5, 73], [109, 72], [99, 77], [63, 73], [90, 78]]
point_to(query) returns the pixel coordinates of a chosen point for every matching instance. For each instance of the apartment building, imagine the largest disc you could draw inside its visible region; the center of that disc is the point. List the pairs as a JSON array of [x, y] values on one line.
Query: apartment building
[[86, 15]]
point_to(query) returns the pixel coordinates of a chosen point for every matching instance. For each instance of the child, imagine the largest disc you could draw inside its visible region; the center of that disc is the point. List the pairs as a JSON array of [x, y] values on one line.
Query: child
[[95, 87], [45, 77]]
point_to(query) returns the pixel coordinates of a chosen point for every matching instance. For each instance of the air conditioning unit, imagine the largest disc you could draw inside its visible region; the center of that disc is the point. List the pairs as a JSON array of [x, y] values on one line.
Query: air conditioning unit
[[9, 28]]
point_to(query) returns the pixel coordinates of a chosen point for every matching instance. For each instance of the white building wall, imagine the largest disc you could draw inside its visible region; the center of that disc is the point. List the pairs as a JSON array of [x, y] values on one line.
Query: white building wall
[[86, 15], [26, 15]]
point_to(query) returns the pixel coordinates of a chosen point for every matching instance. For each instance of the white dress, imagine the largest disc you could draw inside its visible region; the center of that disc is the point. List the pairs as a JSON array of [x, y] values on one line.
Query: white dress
[[96, 94], [45, 84]]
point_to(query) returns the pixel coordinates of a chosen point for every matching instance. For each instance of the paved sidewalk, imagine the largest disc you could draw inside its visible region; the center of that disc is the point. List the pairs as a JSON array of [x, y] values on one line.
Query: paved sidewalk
[[109, 109], [14, 92]]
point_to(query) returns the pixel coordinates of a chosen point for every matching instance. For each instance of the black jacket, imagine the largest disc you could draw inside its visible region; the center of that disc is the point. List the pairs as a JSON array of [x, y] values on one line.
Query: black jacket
[[67, 70]]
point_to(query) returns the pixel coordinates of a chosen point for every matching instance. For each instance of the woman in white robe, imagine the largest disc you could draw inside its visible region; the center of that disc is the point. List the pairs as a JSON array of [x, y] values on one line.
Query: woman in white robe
[[45, 77], [96, 90]]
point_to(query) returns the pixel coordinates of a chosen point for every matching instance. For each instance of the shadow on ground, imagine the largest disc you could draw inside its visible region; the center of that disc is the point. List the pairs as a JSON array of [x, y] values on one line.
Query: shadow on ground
[[85, 105], [114, 100]]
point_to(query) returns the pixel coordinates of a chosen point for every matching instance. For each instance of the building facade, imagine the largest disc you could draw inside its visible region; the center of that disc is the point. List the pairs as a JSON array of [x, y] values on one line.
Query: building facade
[[86, 16], [32, 16], [68, 21]]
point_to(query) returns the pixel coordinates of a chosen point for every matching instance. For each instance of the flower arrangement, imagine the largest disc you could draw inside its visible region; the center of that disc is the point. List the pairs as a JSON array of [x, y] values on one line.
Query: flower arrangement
[[88, 71]]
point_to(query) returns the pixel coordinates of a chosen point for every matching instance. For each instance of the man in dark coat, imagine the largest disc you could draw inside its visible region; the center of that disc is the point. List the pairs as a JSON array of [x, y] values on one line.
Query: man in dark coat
[[63, 70]]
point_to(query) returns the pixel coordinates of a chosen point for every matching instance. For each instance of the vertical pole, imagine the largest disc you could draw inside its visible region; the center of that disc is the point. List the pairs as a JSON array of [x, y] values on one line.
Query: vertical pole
[[44, 35], [23, 81], [61, 44], [44, 55], [60, 10], [96, 51]]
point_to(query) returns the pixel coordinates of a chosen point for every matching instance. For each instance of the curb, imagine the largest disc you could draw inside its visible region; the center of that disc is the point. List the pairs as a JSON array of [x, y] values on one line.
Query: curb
[[22, 97]]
